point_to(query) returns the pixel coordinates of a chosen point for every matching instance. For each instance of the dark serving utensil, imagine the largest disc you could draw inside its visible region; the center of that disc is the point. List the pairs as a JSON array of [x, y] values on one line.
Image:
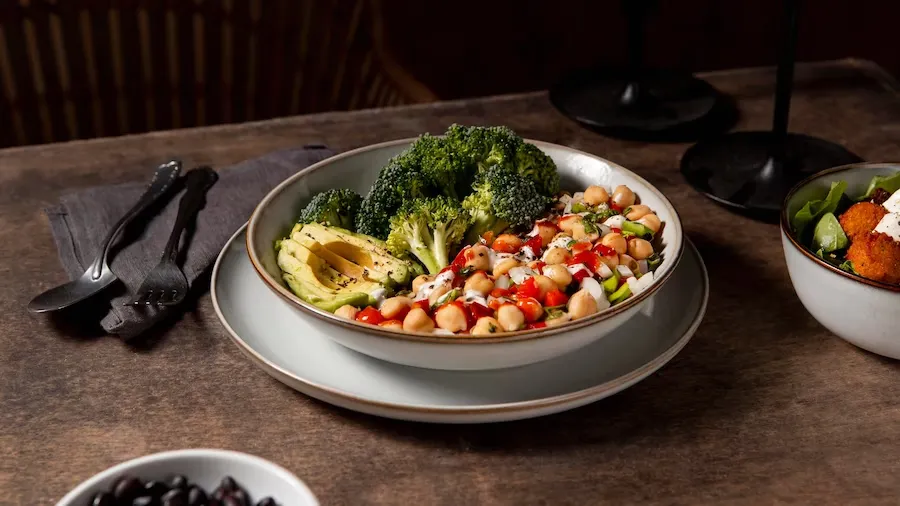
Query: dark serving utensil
[[98, 276], [166, 284]]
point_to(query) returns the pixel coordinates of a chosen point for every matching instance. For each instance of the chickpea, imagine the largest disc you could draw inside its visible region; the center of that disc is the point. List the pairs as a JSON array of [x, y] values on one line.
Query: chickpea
[[582, 304], [559, 320], [394, 307], [595, 195], [547, 231], [640, 249], [556, 255], [421, 280], [629, 262], [544, 284], [503, 266], [480, 283], [651, 221], [615, 241], [611, 261], [486, 326], [417, 320], [559, 274], [437, 293], [510, 317], [451, 317], [347, 311], [507, 243], [638, 211], [580, 234], [623, 196], [392, 324], [566, 223], [478, 257]]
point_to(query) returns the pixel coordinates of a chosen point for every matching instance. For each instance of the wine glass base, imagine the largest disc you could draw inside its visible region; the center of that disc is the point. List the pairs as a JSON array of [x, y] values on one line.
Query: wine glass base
[[738, 171], [669, 105]]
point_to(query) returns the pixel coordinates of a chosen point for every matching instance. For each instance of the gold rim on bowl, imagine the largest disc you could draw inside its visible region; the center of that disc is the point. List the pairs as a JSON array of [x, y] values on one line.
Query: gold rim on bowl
[[786, 224], [507, 337]]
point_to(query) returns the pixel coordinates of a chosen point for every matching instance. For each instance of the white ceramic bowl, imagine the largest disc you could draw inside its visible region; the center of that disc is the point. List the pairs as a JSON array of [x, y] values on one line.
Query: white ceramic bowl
[[205, 467], [357, 170], [863, 312]]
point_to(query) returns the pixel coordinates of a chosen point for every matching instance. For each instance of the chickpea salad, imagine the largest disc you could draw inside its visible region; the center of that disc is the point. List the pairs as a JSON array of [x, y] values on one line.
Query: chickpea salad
[[469, 234]]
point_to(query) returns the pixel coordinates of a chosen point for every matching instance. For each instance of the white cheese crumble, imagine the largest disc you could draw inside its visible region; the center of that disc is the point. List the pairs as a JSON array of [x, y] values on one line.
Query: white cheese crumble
[[892, 204], [890, 225], [615, 221], [520, 274]]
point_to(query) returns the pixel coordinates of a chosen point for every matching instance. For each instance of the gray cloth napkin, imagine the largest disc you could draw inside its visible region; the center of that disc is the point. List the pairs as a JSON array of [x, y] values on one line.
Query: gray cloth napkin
[[82, 220]]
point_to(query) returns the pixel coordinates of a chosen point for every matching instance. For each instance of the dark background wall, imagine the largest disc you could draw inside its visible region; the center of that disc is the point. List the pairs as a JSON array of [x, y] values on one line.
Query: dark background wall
[[527, 44]]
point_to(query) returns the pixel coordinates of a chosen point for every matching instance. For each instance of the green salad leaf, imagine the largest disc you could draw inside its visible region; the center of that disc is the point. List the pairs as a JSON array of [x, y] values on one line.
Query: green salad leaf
[[889, 184], [828, 235], [848, 266], [813, 210]]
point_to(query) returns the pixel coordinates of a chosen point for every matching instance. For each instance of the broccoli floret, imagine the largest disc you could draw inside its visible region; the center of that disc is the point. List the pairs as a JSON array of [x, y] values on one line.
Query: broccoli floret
[[428, 228], [484, 147], [334, 208], [400, 180], [503, 198], [536, 165], [446, 170]]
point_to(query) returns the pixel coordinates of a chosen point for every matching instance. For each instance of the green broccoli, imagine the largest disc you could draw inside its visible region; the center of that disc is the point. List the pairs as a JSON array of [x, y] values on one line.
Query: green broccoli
[[400, 180], [503, 198], [446, 170], [429, 229], [334, 208], [484, 147], [536, 165]]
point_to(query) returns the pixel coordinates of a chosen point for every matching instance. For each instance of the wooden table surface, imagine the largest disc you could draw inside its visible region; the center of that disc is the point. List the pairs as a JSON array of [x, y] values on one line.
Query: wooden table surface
[[763, 406]]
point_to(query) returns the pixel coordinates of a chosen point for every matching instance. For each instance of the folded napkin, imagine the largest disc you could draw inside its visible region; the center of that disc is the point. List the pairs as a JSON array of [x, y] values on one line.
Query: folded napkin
[[82, 220]]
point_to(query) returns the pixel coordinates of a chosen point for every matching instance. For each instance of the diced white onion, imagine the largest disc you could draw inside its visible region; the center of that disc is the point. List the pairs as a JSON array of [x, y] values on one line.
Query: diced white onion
[[535, 230], [624, 271], [603, 230], [441, 331], [475, 296], [560, 242], [615, 221], [520, 274], [378, 294], [567, 200], [527, 253], [445, 277], [573, 269], [496, 258], [604, 271], [578, 197], [595, 289], [502, 282], [643, 266], [638, 285]]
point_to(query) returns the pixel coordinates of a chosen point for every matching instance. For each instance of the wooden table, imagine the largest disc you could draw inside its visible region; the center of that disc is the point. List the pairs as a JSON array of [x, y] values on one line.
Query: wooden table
[[764, 406]]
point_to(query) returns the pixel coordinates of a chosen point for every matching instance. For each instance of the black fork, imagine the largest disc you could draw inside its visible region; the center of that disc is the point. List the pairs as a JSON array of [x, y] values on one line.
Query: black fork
[[166, 284]]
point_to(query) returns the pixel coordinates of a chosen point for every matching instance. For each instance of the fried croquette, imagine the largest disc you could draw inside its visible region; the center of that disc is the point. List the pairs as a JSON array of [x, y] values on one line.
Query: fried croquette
[[861, 218], [875, 256]]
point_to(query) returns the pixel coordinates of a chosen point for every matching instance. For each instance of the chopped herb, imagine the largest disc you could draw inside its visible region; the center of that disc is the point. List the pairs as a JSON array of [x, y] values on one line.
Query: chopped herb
[[554, 312], [847, 266], [465, 271], [492, 328], [579, 207], [626, 234], [571, 243], [653, 262], [627, 210], [589, 227]]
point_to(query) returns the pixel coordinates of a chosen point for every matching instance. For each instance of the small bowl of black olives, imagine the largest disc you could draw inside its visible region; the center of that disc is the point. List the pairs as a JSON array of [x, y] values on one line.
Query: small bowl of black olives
[[196, 477]]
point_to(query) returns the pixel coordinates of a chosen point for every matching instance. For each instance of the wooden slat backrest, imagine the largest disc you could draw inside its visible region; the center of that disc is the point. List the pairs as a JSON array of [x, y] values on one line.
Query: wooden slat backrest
[[74, 69]]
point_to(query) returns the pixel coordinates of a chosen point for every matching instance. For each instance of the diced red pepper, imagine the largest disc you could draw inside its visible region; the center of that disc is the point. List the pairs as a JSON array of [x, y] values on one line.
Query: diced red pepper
[[555, 298], [615, 208], [531, 308], [588, 258], [615, 230], [528, 288], [488, 237], [495, 303], [479, 311], [622, 281], [535, 244], [500, 292], [460, 259], [370, 315], [539, 267], [580, 246], [470, 318], [535, 325], [422, 304], [581, 274], [546, 223], [605, 250]]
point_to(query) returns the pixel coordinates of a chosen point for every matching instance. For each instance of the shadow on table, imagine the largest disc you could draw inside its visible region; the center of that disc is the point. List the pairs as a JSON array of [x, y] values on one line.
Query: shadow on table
[[719, 378]]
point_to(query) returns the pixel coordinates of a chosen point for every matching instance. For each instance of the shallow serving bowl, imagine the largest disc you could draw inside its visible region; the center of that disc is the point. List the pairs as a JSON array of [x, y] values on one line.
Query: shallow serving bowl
[[863, 312], [357, 170], [205, 467]]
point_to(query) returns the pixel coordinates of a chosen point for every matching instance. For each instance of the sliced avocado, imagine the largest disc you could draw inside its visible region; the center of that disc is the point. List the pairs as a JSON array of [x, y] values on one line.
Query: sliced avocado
[[360, 249], [326, 274], [621, 294], [339, 263], [302, 280]]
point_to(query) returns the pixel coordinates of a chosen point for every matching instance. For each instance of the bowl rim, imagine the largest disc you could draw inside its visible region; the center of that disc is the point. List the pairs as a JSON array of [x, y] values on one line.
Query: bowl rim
[[215, 453], [795, 242], [422, 337]]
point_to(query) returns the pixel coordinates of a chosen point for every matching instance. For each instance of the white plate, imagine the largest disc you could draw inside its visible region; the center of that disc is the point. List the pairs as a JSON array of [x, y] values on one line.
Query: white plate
[[295, 351]]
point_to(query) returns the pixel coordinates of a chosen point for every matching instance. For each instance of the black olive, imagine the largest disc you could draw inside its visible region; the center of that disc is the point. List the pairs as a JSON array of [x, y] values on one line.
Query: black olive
[[196, 496], [103, 499], [241, 496], [231, 501], [219, 494], [127, 488], [155, 489], [178, 481], [228, 484], [268, 501], [175, 497], [145, 500]]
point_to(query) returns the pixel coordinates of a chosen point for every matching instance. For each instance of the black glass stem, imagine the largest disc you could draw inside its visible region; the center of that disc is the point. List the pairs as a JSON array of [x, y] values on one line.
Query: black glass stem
[[751, 172], [636, 102]]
